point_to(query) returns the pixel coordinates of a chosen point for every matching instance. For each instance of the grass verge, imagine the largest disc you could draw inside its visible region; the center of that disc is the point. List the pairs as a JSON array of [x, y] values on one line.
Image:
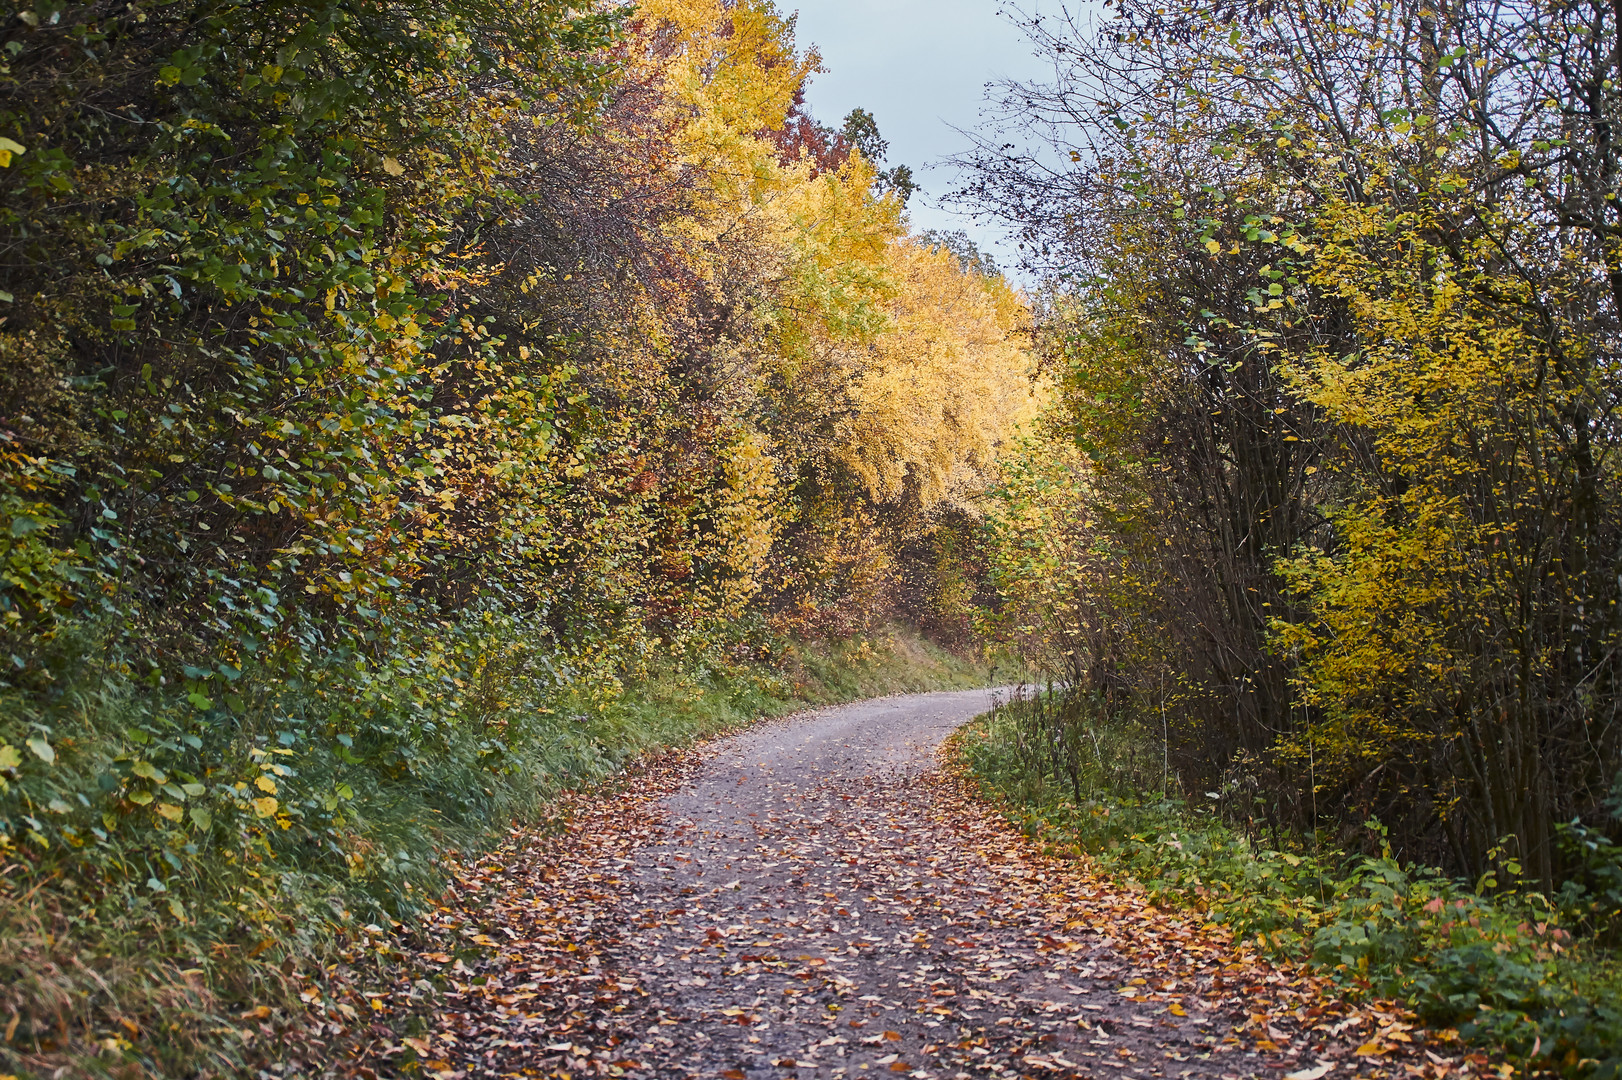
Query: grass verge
[[178, 865], [1510, 966]]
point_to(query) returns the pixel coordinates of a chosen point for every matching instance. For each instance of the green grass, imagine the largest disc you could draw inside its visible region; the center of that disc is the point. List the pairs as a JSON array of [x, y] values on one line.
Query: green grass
[[152, 893], [1510, 967]]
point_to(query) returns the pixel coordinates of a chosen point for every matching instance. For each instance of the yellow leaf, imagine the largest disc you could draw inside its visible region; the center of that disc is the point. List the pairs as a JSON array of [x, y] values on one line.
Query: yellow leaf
[[265, 784], [168, 810], [1368, 1049], [265, 807], [393, 167], [1177, 1010]]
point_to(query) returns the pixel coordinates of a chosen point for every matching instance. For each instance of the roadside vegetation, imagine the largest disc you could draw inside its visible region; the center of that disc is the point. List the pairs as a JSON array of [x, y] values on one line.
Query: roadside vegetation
[[1321, 533], [1510, 967], [165, 945]]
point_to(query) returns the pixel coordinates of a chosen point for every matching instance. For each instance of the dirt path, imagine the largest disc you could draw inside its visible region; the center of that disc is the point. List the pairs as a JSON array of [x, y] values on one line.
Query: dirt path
[[815, 897]]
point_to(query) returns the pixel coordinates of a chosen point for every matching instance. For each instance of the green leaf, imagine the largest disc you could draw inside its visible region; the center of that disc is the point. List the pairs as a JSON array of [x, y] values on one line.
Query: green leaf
[[149, 771], [42, 750], [23, 524], [202, 818], [10, 758]]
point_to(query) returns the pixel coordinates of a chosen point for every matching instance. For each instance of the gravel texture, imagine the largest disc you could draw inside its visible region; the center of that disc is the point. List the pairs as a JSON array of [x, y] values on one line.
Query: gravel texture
[[818, 897]]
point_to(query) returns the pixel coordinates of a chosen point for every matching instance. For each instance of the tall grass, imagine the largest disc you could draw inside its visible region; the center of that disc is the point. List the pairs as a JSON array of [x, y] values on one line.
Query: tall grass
[[176, 860], [1509, 965]]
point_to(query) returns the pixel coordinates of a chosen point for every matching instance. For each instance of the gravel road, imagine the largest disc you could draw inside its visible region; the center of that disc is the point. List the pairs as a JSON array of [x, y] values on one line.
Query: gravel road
[[810, 910], [815, 897]]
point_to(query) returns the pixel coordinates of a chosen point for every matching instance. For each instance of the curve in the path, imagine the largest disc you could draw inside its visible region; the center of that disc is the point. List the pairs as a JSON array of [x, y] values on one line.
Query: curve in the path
[[811, 910], [815, 898]]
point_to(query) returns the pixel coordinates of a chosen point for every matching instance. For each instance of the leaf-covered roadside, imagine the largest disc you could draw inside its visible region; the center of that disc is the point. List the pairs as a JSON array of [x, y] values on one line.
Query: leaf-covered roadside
[[1491, 958], [125, 984], [1037, 965], [511, 958], [1278, 1005]]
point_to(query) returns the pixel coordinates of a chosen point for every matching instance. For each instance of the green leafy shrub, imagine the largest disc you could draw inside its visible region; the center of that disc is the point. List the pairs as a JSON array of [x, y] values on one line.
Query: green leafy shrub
[[169, 857]]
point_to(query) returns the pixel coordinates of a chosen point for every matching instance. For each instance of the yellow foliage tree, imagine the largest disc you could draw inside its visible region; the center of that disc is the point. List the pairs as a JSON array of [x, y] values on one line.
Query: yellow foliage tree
[[1440, 620], [946, 385]]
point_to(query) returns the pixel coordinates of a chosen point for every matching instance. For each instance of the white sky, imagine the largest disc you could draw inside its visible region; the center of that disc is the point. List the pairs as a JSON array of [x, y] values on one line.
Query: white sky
[[920, 67]]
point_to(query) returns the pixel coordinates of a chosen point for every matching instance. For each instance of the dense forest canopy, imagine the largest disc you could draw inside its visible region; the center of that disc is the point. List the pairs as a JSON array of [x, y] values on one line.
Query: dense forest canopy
[[317, 328]]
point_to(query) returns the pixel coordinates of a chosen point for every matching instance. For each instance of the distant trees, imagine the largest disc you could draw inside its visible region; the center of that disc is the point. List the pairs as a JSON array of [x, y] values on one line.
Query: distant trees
[[1334, 313], [861, 131], [969, 255]]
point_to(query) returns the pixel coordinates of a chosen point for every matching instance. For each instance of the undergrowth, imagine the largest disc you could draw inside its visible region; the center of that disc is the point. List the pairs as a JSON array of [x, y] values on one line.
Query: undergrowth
[[1507, 964], [176, 864]]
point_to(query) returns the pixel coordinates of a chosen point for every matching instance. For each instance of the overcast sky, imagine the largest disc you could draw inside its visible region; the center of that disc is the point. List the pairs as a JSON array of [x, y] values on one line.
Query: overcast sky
[[920, 66]]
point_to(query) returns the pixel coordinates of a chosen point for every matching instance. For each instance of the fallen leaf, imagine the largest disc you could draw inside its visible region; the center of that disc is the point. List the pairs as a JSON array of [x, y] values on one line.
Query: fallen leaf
[[1315, 1073]]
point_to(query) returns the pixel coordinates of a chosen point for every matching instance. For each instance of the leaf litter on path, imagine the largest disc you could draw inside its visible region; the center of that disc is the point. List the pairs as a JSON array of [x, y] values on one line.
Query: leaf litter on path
[[819, 898]]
